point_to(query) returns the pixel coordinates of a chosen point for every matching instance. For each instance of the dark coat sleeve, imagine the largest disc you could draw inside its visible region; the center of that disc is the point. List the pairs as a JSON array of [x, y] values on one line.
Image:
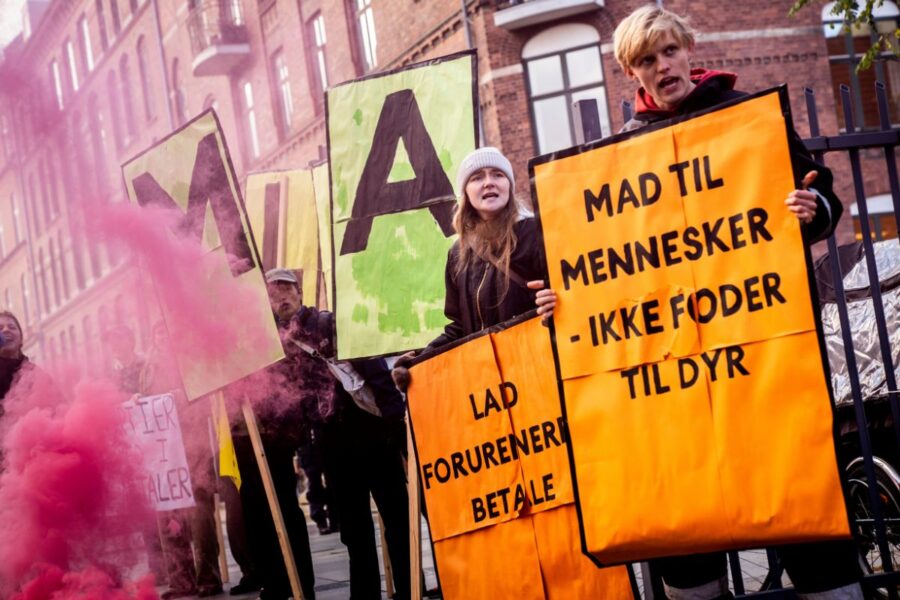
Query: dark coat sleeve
[[828, 211], [455, 329]]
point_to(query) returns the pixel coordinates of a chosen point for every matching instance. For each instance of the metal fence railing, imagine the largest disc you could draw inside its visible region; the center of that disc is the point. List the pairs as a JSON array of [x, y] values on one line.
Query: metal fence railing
[[869, 442]]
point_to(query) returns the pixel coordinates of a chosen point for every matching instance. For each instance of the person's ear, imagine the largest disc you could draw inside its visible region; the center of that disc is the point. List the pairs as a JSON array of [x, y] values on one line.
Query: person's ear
[[629, 74]]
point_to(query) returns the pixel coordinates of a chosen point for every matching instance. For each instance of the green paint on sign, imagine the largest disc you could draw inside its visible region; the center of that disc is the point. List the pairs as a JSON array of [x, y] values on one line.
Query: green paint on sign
[[357, 117], [435, 318], [405, 260], [401, 170], [360, 313], [446, 160]]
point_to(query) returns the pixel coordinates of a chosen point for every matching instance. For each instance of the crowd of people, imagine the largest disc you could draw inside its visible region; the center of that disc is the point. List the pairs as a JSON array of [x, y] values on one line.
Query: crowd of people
[[342, 422]]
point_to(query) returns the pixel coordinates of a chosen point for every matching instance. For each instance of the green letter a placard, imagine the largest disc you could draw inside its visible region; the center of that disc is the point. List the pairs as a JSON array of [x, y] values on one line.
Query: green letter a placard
[[395, 141]]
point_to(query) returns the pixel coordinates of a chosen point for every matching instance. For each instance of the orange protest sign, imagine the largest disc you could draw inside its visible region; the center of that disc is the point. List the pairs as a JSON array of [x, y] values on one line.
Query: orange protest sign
[[697, 402], [495, 397]]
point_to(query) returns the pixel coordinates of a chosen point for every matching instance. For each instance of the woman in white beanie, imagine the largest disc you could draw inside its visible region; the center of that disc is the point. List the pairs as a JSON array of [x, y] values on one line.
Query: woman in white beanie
[[497, 262]]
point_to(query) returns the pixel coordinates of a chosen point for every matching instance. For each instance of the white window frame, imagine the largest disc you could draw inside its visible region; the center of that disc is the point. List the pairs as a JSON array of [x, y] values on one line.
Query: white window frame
[[365, 22], [283, 81], [57, 84], [319, 41], [250, 114], [559, 41], [73, 67], [17, 224], [87, 51]]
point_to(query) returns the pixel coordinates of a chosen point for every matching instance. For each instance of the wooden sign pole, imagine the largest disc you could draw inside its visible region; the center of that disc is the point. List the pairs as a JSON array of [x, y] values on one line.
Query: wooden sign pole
[[415, 520], [214, 449], [386, 560], [266, 475]]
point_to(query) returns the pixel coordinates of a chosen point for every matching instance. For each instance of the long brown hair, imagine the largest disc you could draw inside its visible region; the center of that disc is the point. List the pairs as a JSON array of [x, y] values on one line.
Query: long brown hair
[[493, 241]]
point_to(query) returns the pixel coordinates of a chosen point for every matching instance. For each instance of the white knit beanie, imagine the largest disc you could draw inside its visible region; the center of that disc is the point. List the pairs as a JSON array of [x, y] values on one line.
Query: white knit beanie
[[480, 159]]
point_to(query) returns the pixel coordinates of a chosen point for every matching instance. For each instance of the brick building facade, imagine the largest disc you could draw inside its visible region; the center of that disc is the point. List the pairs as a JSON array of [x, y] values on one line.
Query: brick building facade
[[90, 83]]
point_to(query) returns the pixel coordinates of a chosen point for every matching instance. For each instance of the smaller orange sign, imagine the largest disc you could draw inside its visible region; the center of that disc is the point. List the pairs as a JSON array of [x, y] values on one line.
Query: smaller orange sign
[[492, 450]]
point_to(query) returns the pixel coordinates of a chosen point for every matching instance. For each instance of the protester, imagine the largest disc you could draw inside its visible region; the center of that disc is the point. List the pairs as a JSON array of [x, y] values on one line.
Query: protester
[[497, 262], [178, 529], [363, 436], [126, 363], [654, 47], [125, 370], [13, 364], [364, 449], [319, 493], [288, 386], [237, 539]]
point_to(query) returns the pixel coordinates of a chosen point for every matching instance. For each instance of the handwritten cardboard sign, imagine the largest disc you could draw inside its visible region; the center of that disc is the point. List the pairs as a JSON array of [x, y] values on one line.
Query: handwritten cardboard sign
[[152, 421]]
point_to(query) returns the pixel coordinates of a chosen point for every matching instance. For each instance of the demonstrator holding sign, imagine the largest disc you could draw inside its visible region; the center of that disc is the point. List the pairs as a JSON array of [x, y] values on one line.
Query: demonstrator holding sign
[[654, 48]]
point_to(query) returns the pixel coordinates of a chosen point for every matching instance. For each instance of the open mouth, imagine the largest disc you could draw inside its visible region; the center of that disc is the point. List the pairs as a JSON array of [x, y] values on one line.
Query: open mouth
[[667, 83], [490, 195]]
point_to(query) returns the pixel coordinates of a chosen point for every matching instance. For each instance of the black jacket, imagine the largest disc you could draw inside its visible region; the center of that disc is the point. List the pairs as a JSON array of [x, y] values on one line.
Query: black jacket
[[474, 297], [716, 88]]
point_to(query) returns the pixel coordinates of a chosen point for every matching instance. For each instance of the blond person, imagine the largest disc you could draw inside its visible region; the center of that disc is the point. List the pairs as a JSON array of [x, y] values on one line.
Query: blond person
[[654, 47]]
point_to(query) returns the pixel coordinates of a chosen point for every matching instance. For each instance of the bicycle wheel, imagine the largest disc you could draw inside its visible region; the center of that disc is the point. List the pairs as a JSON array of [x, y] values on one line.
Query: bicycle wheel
[[888, 494]]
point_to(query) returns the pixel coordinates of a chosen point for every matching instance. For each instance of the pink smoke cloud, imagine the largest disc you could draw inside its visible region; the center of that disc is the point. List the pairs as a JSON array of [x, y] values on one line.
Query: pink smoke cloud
[[68, 491]]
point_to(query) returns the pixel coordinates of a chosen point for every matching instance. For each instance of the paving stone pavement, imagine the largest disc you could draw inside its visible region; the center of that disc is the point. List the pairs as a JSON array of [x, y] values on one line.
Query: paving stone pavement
[[330, 563], [332, 570]]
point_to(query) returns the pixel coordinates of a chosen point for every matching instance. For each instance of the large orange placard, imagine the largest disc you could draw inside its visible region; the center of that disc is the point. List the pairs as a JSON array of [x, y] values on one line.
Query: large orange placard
[[693, 381], [496, 395]]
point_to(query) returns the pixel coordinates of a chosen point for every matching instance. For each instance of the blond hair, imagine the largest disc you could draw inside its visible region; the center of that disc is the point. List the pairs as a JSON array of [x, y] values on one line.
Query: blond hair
[[642, 29]]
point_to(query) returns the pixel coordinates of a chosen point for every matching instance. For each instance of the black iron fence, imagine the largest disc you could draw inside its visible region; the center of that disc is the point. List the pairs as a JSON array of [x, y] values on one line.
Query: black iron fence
[[869, 442]]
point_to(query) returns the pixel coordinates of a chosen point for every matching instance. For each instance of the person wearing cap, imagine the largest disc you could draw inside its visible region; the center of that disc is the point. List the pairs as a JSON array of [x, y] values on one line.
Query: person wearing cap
[[363, 435], [279, 396]]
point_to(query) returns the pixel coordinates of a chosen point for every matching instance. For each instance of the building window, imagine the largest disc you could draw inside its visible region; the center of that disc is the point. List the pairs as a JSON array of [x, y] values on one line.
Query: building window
[[114, 13], [53, 188], [365, 29], [178, 95], [101, 24], [73, 68], [562, 65], [56, 77], [63, 267], [33, 200], [97, 132], [17, 224], [882, 220], [144, 74], [45, 193], [285, 99], [7, 136], [112, 91], [84, 46], [26, 307], [250, 120], [127, 97], [54, 273], [846, 46], [315, 35], [42, 277]]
